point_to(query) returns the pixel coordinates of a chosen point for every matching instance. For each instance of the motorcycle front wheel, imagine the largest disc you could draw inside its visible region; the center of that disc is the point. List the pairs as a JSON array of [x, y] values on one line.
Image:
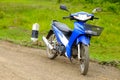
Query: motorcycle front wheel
[[84, 58], [52, 54]]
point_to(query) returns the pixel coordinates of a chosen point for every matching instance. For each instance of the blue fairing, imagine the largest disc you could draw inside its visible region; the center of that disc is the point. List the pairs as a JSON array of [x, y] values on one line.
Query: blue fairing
[[60, 36], [82, 13], [77, 36], [83, 39], [57, 33]]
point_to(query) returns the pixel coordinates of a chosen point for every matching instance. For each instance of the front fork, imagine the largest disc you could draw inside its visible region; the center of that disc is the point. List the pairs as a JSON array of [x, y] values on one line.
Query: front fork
[[79, 57], [79, 53]]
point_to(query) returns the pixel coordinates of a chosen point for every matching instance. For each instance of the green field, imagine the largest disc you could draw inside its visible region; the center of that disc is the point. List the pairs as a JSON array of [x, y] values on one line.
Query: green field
[[18, 16]]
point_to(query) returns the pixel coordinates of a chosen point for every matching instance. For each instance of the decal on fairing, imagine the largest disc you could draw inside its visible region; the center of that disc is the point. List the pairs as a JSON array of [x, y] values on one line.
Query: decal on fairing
[[60, 36]]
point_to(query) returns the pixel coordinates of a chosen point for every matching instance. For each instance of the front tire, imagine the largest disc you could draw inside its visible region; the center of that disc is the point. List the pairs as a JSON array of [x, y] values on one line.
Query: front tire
[[84, 61]]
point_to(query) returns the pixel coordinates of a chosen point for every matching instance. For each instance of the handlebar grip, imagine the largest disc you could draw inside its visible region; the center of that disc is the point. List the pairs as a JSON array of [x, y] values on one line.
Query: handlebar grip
[[66, 17], [95, 18]]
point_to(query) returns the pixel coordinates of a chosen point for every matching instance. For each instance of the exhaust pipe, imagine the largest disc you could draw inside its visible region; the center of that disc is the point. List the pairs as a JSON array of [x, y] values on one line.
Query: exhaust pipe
[[47, 43]]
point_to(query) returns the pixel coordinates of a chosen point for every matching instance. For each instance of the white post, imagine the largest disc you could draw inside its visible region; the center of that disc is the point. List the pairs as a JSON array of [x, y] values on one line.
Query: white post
[[35, 31]]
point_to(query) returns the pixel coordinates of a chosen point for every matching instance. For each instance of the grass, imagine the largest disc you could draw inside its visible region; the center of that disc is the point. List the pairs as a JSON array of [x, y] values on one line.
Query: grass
[[18, 16]]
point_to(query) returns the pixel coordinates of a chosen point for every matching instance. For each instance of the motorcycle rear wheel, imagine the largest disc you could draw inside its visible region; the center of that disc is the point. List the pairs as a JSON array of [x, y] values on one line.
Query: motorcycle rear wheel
[[52, 54], [84, 61]]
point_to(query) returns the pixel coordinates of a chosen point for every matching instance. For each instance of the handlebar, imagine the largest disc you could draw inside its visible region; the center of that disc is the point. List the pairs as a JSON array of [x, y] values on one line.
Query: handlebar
[[92, 18], [95, 18], [66, 17]]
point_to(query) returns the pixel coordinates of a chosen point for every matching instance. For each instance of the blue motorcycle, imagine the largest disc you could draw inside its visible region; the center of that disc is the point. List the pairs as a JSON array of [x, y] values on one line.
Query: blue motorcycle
[[73, 44]]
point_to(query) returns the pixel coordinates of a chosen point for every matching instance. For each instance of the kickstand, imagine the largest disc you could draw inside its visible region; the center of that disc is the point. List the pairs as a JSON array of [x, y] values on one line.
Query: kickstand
[[71, 60]]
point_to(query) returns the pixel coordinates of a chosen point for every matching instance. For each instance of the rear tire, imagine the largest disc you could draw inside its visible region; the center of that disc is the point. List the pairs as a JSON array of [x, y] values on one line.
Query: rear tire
[[84, 61], [52, 54]]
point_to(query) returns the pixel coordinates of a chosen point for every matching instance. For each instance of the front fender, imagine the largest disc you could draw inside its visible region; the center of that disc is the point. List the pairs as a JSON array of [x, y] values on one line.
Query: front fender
[[83, 39]]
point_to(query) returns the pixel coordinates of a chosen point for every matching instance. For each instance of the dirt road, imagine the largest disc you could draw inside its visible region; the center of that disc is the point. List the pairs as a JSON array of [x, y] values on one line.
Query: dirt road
[[21, 63]]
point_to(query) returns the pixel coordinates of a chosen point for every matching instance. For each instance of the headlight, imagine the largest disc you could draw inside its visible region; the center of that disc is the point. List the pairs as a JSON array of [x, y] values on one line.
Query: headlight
[[82, 17]]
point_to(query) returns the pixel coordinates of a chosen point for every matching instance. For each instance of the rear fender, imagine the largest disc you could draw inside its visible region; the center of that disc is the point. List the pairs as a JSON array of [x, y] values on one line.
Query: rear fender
[[49, 33]]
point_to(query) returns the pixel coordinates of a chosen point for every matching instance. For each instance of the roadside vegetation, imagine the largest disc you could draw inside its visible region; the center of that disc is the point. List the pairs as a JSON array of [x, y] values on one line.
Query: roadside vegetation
[[18, 16]]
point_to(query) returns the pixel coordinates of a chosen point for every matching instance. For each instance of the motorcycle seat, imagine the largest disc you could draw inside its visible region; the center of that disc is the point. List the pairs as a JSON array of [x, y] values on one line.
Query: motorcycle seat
[[61, 26]]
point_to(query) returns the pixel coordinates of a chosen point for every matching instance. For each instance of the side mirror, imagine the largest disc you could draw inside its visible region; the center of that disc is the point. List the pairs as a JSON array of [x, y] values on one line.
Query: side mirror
[[96, 10], [63, 7]]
